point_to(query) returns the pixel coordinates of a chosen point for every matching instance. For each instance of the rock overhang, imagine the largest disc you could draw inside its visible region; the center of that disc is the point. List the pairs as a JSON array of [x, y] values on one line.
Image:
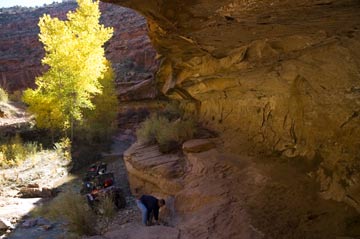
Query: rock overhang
[[270, 76]]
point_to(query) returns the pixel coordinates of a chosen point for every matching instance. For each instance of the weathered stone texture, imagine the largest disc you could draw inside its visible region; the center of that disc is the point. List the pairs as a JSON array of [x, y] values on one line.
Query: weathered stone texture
[[282, 75], [150, 171]]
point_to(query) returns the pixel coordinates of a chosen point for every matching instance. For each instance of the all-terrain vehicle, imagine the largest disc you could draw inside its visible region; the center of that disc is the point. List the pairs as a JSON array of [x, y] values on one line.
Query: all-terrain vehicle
[[98, 184]]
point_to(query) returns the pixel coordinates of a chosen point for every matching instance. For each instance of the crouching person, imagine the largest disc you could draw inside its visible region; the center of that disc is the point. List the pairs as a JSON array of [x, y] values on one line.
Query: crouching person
[[149, 207]]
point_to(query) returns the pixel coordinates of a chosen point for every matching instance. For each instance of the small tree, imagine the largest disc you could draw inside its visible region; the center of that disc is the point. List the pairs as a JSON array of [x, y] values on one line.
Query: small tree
[[75, 55]]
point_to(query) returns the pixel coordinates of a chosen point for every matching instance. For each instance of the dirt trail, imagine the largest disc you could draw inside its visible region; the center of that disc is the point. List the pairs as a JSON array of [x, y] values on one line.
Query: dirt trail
[[51, 172], [127, 223], [229, 196], [45, 170]]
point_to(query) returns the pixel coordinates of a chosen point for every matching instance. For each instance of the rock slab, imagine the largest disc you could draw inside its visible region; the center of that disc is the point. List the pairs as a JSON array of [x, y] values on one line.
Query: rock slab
[[197, 145]]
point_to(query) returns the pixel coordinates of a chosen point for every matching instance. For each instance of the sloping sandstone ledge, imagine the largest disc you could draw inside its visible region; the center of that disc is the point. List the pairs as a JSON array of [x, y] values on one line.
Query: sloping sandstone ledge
[[218, 195], [151, 170]]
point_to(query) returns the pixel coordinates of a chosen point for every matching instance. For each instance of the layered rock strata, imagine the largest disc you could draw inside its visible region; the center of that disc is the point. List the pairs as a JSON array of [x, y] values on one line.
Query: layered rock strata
[[223, 195], [151, 171], [271, 76]]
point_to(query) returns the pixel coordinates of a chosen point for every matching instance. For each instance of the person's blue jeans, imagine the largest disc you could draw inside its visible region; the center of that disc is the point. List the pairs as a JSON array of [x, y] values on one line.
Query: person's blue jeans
[[143, 210]]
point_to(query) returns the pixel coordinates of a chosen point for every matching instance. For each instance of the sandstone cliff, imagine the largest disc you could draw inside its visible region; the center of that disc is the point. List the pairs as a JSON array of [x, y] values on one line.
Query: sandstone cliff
[[272, 76], [216, 195], [129, 50]]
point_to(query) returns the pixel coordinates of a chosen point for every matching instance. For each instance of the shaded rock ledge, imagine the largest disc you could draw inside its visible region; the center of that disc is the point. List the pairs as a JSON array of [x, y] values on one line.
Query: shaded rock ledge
[[196, 186], [217, 195]]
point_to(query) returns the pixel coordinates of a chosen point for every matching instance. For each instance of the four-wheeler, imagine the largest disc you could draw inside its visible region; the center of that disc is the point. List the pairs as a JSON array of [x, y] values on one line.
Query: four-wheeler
[[98, 184]]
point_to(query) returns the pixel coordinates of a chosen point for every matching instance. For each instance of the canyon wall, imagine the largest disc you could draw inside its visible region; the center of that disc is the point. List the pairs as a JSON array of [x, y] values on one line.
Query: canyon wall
[[129, 50], [278, 77]]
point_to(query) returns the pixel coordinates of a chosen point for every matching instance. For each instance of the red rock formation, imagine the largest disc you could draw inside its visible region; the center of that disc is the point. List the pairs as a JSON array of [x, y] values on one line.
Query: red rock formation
[[129, 50], [269, 76], [211, 194]]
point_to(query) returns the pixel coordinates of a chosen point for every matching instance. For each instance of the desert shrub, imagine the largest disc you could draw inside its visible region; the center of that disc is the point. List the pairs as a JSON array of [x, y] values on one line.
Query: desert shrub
[[107, 207], [172, 111], [81, 219], [3, 95], [172, 134], [107, 210], [16, 96], [32, 148], [63, 148], [72, 208], [167, 128], [149, 129], [15, 151]]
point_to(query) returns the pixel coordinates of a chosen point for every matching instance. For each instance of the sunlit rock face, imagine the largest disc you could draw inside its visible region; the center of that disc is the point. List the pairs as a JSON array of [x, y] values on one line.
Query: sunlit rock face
[[129, 50], [282, 75]]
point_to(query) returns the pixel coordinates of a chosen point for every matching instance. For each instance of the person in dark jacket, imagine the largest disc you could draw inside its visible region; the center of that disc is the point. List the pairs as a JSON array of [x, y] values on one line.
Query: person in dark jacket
[[149, 207]]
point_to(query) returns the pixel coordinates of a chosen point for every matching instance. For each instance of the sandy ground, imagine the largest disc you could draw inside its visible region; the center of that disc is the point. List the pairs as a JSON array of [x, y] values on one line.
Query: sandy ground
[[50, 171], [44, 169], [226, 196]]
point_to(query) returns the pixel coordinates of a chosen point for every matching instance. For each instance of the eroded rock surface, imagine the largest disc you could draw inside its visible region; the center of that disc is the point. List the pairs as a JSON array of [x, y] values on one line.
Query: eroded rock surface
[[197, 145], [148, 168], [230, 196], [282, 75]]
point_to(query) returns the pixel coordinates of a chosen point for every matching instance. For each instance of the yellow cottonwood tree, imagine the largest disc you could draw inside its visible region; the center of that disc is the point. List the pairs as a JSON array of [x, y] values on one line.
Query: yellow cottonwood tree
[[75, 55], [98, 124]]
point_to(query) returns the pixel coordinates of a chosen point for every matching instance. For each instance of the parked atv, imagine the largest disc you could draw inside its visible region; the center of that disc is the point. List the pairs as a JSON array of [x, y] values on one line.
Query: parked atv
[[98, 184], [89, 181]]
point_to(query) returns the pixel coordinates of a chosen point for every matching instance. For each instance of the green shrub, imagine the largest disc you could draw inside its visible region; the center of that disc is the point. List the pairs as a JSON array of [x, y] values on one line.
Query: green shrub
[[3, 95], [167, 128], [172, 111], [149, 129]]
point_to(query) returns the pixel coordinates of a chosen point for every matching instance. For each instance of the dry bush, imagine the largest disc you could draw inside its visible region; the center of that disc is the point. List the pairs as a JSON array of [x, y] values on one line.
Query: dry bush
[[107, 207], [172, 111], [107, 210], [14, 152], [167, 128], [16, 96], [63, 148], [146, 132], [3, 95], [72, 208]]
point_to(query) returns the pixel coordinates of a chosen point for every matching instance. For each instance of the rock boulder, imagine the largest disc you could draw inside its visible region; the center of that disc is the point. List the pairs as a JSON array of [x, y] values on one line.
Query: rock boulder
[[150, 171]]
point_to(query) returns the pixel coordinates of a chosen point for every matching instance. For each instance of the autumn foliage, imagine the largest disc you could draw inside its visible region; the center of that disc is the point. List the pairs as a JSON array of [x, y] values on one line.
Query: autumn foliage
[[75, 55]]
